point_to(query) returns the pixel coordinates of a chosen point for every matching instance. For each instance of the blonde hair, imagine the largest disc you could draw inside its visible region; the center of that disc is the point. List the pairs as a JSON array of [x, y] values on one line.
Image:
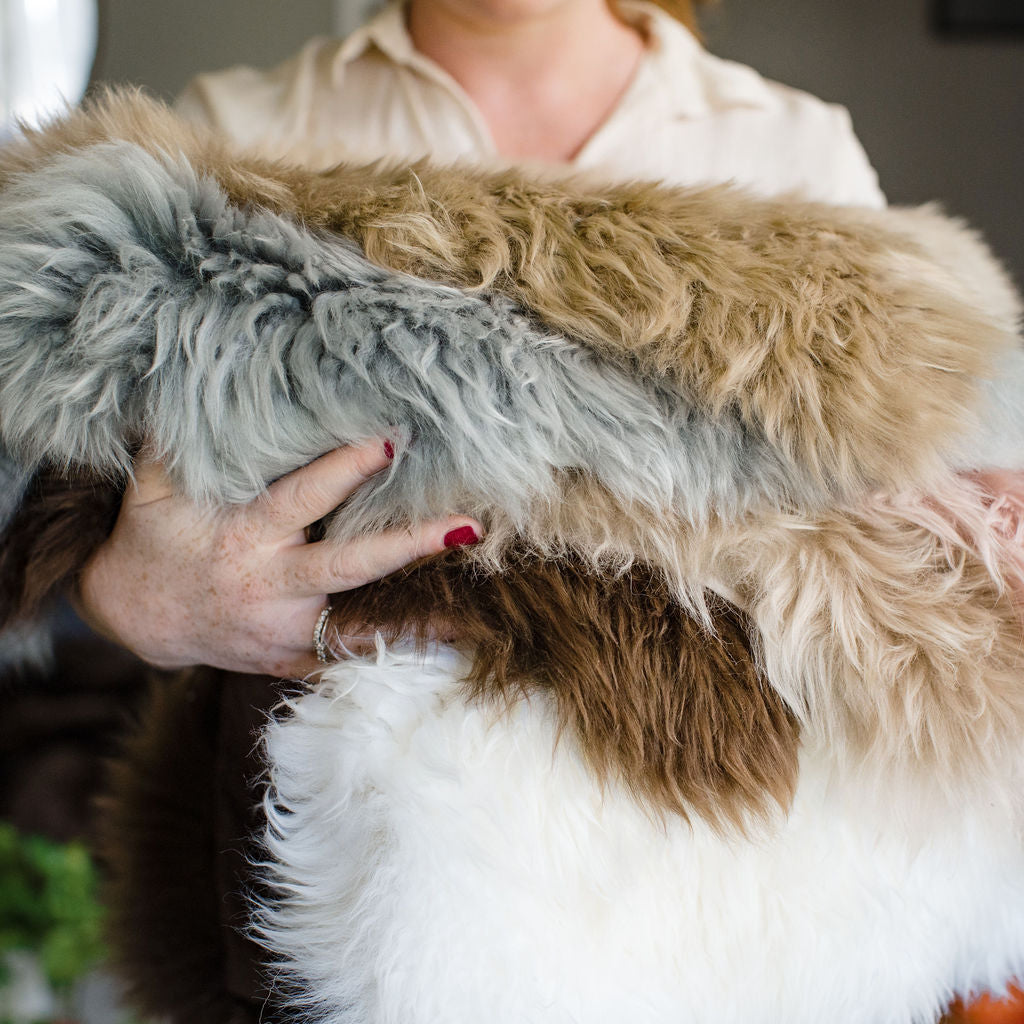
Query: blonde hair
[[684, 11]]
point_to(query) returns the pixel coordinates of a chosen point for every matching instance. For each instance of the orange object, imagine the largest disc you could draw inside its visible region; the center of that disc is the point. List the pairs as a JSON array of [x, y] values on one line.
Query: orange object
[[987, 1010]]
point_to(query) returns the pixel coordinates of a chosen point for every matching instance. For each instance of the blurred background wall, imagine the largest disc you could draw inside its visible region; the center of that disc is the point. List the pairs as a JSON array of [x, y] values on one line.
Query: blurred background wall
[[941, 117], [163, 43]]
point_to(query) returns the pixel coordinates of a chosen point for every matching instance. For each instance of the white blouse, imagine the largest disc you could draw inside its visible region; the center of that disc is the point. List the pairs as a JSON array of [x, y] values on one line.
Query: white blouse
[[687, 118]]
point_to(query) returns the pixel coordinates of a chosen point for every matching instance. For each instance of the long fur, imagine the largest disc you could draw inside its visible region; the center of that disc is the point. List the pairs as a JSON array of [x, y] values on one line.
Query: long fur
[[925, 674], [124, 280], [983, 512], [157, 845], [892, 632], [669, 705], [61, 522]]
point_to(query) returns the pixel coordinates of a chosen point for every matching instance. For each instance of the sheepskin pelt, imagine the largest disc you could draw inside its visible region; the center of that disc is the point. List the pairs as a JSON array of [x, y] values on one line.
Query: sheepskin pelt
[[791, 350], [730, 699], [438, 863], [674, 708]]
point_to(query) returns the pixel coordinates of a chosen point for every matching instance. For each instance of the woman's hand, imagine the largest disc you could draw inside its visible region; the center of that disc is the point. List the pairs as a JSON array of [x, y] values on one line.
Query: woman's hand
[[239, 588]]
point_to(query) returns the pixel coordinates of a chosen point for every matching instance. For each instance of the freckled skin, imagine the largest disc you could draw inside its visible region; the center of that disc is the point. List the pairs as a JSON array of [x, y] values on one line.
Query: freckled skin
[[240, 588]]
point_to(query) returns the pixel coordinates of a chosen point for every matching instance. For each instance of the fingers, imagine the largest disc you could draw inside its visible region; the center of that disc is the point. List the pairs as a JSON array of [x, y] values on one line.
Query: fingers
[[308, 494], [326, 568]]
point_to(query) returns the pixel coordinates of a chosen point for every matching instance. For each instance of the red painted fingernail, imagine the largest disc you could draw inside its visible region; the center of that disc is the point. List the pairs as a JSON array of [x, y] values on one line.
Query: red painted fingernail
[[460, 537], [389, 449]]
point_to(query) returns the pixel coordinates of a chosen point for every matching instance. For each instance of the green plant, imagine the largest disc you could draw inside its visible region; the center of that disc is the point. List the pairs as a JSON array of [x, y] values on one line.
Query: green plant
[[48, 906]]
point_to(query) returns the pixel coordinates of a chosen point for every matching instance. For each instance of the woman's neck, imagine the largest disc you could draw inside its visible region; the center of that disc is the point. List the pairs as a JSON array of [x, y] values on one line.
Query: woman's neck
[[544, 74]]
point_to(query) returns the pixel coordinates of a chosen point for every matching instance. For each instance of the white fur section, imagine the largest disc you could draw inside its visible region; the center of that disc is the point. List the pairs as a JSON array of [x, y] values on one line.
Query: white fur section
[[438, 864]]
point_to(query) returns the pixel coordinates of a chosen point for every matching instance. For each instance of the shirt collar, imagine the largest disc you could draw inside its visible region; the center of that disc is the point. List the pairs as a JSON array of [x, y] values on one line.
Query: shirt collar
[[690, 82], [386, 31]]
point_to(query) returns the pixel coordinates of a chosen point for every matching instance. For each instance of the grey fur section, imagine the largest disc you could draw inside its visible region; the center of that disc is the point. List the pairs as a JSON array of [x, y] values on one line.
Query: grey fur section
[[14, 480], [136, 301]]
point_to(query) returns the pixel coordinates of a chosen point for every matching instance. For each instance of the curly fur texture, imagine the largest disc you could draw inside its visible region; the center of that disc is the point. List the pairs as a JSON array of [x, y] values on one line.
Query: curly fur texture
[[985, 513]]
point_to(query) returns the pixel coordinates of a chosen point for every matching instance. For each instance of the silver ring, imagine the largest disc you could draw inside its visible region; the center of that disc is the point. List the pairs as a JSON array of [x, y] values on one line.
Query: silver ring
[[319, 643]]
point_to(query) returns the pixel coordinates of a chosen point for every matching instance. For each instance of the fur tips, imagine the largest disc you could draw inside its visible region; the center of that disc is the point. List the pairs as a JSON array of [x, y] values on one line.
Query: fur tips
[[671, 705], [676, 711], [897, 644]]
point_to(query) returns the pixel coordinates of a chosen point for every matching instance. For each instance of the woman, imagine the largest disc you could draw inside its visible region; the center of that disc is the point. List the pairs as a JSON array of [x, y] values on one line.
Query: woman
[[644, 99], [625, 92]]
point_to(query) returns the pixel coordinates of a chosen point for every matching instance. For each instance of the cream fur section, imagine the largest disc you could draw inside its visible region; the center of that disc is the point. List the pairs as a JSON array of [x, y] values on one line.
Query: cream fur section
[[437, 863], [894, 644]]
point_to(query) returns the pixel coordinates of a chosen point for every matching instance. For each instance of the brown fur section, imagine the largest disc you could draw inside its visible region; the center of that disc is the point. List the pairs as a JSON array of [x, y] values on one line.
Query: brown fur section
[[845, 335], [894, 644], [62, 520], [659, 701], [157, 846]]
